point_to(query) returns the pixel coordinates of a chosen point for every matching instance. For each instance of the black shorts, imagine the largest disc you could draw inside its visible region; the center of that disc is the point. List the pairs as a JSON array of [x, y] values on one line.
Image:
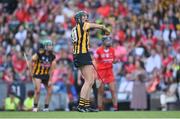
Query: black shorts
[[44, 78], [82, 59]]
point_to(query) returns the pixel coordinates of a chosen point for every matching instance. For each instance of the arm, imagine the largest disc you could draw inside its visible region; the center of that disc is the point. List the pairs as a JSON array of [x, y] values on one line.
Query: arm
[[98, 26], [115, 60], [97, 54], [53, 66], [33, 59], [88, 26]]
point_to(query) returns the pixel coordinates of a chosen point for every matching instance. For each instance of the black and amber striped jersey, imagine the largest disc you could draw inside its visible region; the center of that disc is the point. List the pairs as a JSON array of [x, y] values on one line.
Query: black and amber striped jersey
[[80, 38], [42, 64]]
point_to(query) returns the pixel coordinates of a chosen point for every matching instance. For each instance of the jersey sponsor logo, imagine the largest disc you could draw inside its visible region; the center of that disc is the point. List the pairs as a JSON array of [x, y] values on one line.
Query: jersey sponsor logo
[[103, 55], [107, 55], [43, 58], [46, 65], [42, 65], [45, 62]]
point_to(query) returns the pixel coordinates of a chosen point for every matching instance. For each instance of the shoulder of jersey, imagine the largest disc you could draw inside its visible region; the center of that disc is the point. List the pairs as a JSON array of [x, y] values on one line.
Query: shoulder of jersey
[[54, 55], [112, 48], [40, 51], [100, 48]]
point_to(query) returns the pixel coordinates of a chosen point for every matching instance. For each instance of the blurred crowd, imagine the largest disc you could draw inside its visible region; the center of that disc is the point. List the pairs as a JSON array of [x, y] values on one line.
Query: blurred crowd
[[144, 31]]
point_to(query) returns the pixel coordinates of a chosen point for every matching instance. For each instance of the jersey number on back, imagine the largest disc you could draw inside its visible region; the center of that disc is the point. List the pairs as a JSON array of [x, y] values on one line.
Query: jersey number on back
[[74, 36]]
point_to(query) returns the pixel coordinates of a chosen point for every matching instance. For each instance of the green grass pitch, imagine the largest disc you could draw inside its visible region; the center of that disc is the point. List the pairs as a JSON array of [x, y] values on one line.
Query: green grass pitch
[[92, 115]]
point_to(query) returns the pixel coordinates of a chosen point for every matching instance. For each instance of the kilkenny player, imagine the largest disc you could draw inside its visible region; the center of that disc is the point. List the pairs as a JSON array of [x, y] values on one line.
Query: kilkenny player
[[82, 58], [42, 65]]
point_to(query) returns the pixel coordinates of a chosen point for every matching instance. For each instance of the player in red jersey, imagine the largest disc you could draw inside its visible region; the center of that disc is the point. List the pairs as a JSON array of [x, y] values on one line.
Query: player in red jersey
[[105, 58]]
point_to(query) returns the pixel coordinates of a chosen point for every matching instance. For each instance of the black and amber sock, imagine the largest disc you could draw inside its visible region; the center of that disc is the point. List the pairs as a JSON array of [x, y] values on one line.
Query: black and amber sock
[[35, 105], [46, 106], [82, 102], [87, 103]]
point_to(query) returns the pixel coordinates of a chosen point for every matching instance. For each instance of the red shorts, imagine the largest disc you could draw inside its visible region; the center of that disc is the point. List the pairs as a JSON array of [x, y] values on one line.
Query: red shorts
[[106, 75]]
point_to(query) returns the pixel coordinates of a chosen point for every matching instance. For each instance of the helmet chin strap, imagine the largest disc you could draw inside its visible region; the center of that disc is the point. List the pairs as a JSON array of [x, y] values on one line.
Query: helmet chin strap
[[108, 45], [45, 48], [80, 21]]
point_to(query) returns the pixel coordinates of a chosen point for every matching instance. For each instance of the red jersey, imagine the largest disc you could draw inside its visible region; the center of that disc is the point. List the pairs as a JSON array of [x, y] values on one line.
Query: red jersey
[[19, 65], [104, 58]]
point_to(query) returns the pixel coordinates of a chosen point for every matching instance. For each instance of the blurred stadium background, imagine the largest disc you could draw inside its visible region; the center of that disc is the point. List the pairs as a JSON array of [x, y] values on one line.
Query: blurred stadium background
[[146, 30]]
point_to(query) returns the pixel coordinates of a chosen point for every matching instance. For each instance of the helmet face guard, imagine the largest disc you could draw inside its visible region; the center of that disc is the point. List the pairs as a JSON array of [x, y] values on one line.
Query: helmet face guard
[[44, 44], [79, 15], [107, 42]]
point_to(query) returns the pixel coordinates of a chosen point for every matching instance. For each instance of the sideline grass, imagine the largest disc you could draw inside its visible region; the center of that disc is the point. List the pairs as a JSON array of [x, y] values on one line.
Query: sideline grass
[[100, 115]]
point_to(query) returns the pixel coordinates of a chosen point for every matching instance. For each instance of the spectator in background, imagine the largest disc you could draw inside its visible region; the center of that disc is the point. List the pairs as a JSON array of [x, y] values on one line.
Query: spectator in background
[[12, 103], [21, 35], [139, 95], [8, 75], [169, 95], [2, 59], [168, 33], [120, 51], [19, 66], [154, 82], [154, 61], [29, 101]]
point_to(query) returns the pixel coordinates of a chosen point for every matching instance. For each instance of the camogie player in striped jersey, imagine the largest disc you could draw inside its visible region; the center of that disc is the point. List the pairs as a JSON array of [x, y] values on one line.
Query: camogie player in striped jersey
[[42, 65], [82, 58]]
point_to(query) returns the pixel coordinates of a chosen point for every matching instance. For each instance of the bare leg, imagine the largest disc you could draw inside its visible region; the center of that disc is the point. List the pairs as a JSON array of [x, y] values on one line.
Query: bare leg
[[112, 87], [87, 72], [92, 81], [100, 96], [37, 84], [84, 102], [48, 96], [163, 102]]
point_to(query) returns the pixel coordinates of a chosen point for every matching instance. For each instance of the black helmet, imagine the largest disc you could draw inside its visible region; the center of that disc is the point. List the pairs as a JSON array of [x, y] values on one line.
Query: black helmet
[[107, 41], [78, 16]]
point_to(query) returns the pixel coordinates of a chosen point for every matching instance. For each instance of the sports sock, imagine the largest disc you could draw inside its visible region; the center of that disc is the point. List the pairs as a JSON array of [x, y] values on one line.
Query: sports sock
[[35, 105], [81, 102], [87, 103], [46, 106]]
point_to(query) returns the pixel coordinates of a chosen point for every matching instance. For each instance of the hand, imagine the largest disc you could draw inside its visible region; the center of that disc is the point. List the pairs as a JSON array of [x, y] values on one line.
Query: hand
[[106, 30], [98, 83], [79, 82], [50, 83], [116, 61]]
